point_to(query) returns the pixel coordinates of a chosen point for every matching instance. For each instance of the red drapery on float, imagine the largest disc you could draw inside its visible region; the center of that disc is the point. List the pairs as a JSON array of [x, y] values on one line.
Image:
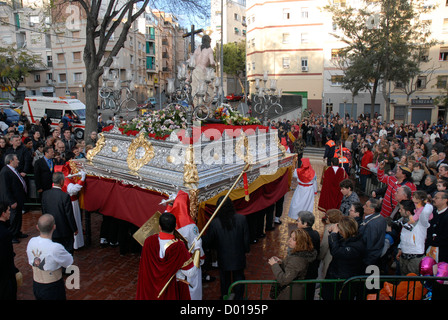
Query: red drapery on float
[[263, 197], [125, 202]]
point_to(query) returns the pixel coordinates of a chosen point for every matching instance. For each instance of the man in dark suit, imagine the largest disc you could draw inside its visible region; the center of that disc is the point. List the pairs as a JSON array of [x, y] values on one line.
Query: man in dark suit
[[13, 191], [69, 142], [43, 171], [19, 149], [57, 203]]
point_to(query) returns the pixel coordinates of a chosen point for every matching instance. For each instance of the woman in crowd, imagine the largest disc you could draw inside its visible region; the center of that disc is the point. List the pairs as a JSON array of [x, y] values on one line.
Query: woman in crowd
[[294, 266], [332, 216], [347, 250]]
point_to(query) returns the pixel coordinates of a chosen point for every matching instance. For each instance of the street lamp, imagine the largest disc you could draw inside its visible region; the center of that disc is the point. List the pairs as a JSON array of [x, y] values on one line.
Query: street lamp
[[267, 98]]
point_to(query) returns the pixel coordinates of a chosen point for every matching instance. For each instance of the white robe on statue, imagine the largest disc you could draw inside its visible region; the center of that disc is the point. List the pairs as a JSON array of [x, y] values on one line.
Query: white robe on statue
[[303, 197]]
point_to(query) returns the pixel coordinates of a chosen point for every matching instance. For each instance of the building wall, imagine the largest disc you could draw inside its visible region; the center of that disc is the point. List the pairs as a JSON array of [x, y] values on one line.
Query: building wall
[[282, 34]]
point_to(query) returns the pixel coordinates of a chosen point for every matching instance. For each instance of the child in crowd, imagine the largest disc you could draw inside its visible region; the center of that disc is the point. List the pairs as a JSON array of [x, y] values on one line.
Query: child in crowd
[[419, 198]]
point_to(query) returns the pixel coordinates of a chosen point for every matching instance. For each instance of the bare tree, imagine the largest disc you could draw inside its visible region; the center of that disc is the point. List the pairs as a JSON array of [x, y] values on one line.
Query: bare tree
[[103, 18]]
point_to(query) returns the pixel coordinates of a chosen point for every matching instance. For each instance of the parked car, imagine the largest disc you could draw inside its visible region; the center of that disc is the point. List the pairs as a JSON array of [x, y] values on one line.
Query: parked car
[[9, 104], [148, 103], [13, 116], [232, 97]]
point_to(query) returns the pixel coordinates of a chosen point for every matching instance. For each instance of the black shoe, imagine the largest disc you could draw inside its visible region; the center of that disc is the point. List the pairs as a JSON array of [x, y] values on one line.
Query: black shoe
[[15, 240], [23, 235], [261, 235]]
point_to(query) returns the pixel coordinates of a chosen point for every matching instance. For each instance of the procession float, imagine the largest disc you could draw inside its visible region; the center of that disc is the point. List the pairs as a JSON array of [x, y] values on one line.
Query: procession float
[[190, 145]]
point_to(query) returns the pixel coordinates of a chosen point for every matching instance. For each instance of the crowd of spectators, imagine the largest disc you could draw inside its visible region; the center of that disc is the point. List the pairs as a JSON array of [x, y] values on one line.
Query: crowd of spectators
[[397, 169]]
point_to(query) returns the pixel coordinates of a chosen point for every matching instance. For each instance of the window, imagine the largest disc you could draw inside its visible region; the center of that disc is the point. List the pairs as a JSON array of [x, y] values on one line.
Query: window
[[286, 63], [253, 42], [61, 57], [399, 112], [445, 26], [441, 82], [304, 64], [399, 84], [76, 35], [49, 76], [335, 54], [336, 80], [54, 113], [253, 65], [77, 56], [304, 38], [236, 30], [236, 16], [50, 61], [77, 77], [60, 37], [285, 38], [286, 14], [304, 12], [421, 82], [62, 77], [37, 78], [443, 56]]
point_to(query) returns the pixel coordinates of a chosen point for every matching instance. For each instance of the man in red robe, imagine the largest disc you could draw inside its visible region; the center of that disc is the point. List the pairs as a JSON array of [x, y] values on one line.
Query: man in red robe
[[162, 257], [330, 194]]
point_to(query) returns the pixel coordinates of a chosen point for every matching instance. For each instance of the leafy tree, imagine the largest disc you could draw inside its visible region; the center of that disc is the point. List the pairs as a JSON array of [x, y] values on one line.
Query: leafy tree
[[234, 59], [381, 40], [15, 65]]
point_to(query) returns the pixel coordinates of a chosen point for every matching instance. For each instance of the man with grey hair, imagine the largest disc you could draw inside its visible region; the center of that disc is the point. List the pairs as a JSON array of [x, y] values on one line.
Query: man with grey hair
[[443, 171], [13, 191], [47, 258], [403, 193], [373, 231]]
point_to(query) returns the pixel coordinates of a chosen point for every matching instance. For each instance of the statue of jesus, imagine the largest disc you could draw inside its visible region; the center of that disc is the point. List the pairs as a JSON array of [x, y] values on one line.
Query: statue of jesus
[[203, 57]]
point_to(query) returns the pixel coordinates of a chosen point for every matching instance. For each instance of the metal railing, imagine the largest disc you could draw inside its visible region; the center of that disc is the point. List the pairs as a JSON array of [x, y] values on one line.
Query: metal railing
[[388, 287]]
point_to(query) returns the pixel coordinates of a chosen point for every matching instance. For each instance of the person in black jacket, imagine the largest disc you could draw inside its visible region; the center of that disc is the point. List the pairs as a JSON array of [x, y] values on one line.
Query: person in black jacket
[[13, 191], [347, 250], [8, 270], [19, 149], [57, 203], [228, 233], [43, 171]]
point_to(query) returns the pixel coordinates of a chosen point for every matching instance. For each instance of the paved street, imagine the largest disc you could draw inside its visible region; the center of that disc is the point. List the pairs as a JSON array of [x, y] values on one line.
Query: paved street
[[106, 275]]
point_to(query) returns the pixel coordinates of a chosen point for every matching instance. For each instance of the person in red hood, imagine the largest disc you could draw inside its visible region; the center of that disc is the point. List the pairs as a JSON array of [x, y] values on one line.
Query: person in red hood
[[303, 198]]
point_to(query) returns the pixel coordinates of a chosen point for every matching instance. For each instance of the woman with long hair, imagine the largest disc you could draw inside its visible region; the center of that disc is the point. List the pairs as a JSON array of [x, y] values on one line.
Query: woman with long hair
[[295, 265]]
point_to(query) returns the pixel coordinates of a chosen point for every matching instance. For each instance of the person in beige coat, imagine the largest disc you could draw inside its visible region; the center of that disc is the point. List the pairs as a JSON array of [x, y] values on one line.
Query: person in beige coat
[[294, 267], [333, 216]]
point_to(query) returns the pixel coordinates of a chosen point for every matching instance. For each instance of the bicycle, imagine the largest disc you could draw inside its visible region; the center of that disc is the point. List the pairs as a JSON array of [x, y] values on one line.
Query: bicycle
[[111, 99]]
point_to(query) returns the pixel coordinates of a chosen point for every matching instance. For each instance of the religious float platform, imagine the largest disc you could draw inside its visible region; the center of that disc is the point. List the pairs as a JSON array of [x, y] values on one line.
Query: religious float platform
[[130, 172]]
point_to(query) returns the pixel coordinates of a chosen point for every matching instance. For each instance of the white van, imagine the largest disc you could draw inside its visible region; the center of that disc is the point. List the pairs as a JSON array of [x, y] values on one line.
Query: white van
[[55, 107]]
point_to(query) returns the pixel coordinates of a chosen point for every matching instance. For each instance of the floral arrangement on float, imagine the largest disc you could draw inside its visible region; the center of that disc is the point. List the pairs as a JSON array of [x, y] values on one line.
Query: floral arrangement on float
[[231, 117], [159, 124]]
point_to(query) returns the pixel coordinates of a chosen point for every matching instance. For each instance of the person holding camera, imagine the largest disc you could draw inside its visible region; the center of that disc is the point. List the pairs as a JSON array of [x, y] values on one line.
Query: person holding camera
[[411, 248]]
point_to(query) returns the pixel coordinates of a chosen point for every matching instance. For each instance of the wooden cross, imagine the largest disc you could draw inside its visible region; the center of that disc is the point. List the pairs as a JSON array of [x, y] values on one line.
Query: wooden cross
[[191, 34]]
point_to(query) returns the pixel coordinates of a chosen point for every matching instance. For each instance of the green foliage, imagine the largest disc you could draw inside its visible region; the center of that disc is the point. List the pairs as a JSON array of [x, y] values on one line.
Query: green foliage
[[15, 65], [234, 58], [385, 41]]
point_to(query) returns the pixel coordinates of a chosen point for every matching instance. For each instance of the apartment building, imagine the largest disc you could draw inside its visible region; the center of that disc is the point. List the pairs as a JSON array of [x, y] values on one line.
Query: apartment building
[[22, 28], [417, 101], [284, 39], [232, 28]]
